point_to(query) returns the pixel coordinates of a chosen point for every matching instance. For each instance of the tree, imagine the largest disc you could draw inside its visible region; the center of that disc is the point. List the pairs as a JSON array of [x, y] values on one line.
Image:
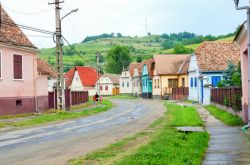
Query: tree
[[79, 63], [118, 58], [232, 75], [138, 59], [181, 49]]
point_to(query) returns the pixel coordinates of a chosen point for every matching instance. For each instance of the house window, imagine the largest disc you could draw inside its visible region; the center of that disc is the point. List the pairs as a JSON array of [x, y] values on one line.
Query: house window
[[18, 103], [192, 82], [195, 82], [17, 61], [127, 84], [101, 88], [215, 80], [158, 82], [122, 84], [0, 65], [106, 88], [183, 82], [155, 83], [172, 83]]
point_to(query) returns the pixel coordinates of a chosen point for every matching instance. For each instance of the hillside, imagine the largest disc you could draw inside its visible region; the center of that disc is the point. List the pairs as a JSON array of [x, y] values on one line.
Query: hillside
[[145, 47]]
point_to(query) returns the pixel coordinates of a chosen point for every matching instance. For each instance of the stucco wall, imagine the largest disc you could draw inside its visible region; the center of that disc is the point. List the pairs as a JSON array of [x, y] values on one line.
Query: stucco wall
[[41, 85], [105, 81], [127, 81], [17, 88], [76, 83]]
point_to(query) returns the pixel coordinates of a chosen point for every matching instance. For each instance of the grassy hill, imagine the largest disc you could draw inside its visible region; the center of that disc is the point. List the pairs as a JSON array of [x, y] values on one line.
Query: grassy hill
[[145, 47]]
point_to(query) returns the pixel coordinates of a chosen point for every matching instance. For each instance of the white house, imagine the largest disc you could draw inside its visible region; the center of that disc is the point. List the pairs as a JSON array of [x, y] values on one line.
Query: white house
[[82, 78], [126, 83], [136, 81], [108, 85], [206, 68]]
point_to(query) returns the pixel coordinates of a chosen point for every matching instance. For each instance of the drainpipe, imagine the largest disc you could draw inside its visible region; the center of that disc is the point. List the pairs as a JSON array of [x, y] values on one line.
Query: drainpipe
[[34, 84]]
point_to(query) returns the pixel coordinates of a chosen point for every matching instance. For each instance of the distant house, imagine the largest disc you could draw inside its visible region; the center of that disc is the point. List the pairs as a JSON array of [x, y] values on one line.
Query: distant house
[[81, 78], [170, 71], [23, 78], [126, 83], [241, 39], [207, 66], [147, 74], [108, 84]]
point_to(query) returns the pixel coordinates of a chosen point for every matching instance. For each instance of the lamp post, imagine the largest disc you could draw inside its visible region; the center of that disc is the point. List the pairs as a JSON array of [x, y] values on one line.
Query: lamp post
[[247, 8]]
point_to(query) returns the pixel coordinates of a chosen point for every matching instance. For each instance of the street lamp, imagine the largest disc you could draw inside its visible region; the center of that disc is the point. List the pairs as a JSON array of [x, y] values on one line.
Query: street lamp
[[72, 11], [248, 48]]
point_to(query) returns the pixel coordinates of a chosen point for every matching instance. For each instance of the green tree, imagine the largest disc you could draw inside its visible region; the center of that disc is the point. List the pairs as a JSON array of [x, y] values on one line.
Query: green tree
[[79, 63], [181, 49], [117, 58], [232, 75], [139, 59]]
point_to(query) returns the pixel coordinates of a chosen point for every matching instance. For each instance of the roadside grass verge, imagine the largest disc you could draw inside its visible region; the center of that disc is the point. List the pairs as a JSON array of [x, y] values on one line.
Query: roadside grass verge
[[122, 97], [2, 125], [225, 117], [59, 116], [161, 143]]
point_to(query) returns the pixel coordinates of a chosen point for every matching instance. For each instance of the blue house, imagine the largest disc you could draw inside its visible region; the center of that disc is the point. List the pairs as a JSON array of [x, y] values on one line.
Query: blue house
[[206, 68], [147, 78]]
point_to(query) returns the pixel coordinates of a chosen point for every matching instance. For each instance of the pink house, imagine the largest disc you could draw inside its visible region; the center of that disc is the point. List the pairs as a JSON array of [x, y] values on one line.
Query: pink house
[[241, 39], [23, 77]]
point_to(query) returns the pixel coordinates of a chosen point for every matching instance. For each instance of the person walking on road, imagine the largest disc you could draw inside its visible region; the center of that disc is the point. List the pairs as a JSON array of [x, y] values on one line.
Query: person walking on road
[[100, 99], [96, 98]]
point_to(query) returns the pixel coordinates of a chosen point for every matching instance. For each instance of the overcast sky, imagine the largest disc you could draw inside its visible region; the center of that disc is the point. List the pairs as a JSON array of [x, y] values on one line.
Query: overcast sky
[[126, 16]]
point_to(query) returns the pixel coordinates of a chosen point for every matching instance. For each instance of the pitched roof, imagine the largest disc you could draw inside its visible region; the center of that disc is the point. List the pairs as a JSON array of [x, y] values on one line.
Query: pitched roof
[[44, 67], [172, 64], [132, 67], [11, 34], [148, 62], [87, 75], [115, 78], [215, 56]]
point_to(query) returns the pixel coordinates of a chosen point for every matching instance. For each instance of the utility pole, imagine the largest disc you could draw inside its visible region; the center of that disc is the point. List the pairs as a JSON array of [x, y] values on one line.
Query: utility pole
[[146, 26], [98, 70], [59, 58]]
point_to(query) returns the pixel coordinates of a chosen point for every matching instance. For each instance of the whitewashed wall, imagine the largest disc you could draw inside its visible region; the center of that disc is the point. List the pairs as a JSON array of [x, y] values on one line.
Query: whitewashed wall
[[193, 73], [126, 83]]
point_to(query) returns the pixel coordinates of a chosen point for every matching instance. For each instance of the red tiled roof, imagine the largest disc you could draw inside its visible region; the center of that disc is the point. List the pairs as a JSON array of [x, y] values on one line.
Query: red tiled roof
[[132, 67], [44, 67], [215, 56], [87, 75], [11, 34], [172, 64]]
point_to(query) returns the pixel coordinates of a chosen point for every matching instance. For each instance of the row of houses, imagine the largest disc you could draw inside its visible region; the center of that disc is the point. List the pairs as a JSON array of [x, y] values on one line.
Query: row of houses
[[156, 77]]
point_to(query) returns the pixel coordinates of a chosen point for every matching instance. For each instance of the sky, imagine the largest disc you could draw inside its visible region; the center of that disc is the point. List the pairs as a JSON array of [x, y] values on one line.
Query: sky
[[128, 17]]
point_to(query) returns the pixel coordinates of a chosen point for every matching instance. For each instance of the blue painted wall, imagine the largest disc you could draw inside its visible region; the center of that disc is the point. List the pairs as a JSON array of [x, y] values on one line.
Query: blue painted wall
[[146, 81]]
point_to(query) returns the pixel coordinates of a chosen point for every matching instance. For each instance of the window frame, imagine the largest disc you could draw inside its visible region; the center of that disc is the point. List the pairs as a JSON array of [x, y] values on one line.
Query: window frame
[[17, 79], [191, 82]]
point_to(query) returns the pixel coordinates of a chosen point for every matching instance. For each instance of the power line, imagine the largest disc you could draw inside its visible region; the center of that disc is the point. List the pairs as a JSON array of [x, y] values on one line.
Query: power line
[[28, 13]]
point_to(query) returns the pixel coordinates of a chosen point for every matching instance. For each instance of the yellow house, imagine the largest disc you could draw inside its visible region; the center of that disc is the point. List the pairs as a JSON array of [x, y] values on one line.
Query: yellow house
[[170, 71]]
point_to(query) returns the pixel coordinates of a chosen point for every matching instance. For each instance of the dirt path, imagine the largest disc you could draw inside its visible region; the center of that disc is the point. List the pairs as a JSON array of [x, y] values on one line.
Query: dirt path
[[55, 144]]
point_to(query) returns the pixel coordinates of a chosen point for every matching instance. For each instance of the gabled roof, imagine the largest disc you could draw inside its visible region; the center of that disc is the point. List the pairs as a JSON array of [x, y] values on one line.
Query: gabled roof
[[11, 34], [148, 62], [115, 78], [132, 67], [44, 67], [215, 56], [172, 64], [88, 75]]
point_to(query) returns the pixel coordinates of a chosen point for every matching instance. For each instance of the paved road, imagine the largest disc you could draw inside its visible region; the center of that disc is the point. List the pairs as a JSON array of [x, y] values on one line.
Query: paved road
[[57, 143]]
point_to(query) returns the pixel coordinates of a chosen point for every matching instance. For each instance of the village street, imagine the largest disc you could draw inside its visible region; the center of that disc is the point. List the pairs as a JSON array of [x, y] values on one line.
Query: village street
[[57, 143]]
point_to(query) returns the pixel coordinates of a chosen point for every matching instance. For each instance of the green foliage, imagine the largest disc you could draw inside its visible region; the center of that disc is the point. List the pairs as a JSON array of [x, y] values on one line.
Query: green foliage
[[118, 58], [139, 59], [232, 75], [78, 62], [181, 49], [102, 36], [224, 116]]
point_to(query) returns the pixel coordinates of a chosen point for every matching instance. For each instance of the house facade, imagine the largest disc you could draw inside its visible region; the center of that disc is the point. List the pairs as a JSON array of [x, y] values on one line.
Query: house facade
[[241, 39], [146, 77], [82, 78], [170, 71], [23, 84], [137, 82], [108, 85], [206, 68]]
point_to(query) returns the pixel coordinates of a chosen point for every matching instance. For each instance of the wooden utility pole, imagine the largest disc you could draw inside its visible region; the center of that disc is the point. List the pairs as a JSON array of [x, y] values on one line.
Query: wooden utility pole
[[98, 70], [59, 59]]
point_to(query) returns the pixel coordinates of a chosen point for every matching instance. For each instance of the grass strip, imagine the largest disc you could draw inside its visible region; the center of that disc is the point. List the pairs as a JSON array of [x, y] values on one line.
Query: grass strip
[[122, 97], [59, 116], [225, 117], [164, 145]]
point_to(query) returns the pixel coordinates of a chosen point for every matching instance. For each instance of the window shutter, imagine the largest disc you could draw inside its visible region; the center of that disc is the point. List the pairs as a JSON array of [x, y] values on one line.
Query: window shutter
[[192, 82], [107, 88], [17, 61]]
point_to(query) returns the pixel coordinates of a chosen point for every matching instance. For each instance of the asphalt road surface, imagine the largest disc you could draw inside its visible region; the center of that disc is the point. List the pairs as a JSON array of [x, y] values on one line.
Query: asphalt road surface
[[57, 143]]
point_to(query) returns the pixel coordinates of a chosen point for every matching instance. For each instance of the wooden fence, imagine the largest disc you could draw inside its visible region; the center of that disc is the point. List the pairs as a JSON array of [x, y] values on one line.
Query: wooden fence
[[180, 93], [230, 97], [71, 98]]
